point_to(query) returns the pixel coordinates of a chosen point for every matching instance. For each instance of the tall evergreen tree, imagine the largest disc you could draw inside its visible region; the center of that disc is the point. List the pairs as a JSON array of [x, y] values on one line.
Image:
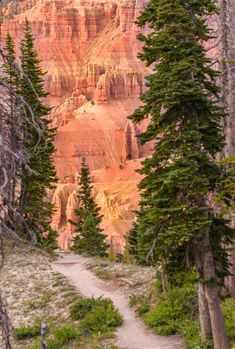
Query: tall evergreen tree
[[182, 100], [90, 238], [39, 140], [9, 70]]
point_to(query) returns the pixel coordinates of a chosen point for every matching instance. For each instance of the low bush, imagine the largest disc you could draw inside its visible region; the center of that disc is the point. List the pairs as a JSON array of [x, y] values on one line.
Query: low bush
[[59, 338], [228, 309], [178, 304], [26, 332], [84, 305], [66, 333], [177, 312], [190, 330], [101, 320], [98, 316]]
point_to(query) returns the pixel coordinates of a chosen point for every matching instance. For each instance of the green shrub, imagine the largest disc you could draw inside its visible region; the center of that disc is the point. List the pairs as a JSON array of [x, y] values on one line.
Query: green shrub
[[228, 309], [100, 320], [142, 304], [24, 332], [178, 304], [66, 333], [59, 337], [84, 305], [190, 330], [98, 316], [177, 312], [54, 343]]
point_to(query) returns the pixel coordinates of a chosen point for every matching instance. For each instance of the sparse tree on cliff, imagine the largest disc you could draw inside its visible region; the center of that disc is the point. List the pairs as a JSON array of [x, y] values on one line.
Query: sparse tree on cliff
[[39, 143], [90, 238], [180, 177]]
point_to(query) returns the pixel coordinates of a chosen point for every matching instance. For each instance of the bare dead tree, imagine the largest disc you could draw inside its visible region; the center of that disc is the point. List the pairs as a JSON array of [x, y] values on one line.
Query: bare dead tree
[[5, 324], [13, 159]]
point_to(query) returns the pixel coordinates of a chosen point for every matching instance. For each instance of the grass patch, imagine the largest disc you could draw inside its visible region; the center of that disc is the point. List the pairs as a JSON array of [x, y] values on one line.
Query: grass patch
[[60, 337], [104, 274], [190, 330], [26, 332], [41, 302], [228, 309]]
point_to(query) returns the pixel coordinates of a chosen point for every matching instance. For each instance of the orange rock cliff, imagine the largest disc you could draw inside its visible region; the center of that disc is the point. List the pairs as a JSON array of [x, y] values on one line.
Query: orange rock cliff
[[89, 50]]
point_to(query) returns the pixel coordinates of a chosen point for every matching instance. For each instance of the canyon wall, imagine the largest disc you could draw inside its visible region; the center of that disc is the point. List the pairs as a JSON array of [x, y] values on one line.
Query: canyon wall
[[94, 79]]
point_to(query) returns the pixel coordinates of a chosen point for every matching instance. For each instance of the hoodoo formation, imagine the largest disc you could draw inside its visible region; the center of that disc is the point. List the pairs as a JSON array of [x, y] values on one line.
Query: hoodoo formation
[[94, 79]]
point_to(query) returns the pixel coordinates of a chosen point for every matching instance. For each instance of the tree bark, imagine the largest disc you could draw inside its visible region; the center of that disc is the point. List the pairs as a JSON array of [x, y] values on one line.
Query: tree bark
[[226, 25], [219, 335], [204, 316]]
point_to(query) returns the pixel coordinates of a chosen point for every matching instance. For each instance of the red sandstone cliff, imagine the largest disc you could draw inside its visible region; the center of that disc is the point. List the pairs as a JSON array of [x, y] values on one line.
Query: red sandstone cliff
[[95, 80]]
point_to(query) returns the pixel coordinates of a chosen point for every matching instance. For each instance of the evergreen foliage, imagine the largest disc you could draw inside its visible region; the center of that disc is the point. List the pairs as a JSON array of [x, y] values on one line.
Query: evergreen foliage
[[177, 217], [90, 238], [38, 139], [11, 76], [225, 197], [182, 101]]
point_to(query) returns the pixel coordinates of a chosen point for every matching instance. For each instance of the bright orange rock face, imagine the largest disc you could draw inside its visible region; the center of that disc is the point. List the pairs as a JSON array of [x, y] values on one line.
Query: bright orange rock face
[[95, 80]]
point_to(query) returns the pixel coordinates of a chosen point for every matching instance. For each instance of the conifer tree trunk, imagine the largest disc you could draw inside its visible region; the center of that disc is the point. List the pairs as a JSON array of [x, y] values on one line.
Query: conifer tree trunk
[[226, 24], [204, 316], [211, 293]]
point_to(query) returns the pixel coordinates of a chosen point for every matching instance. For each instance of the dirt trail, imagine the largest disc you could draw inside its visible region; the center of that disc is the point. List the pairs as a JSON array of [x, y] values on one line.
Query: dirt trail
[[133, 334]]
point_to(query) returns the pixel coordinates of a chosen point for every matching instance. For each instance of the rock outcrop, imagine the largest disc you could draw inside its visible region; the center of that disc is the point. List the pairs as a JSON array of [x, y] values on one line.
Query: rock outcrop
[[94, 79]]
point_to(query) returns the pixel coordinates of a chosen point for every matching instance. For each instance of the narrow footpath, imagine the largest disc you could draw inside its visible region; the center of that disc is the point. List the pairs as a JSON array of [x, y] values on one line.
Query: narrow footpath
[[133, 334]]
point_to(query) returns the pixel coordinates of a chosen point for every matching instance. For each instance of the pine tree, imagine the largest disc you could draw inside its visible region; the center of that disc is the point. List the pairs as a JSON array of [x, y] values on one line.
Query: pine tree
[[176, 215], [9, 69], [89, 238], [38, 139]]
